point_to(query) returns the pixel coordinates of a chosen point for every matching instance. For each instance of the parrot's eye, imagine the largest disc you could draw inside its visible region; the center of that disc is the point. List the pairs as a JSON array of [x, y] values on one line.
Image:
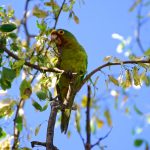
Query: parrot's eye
[[60, 32]]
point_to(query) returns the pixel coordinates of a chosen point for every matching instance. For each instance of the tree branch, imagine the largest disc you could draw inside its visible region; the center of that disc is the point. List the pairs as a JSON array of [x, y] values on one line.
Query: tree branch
[[50, 129], [42, 69], [34, 143], [88, 76], [88, 128], [16, 131]]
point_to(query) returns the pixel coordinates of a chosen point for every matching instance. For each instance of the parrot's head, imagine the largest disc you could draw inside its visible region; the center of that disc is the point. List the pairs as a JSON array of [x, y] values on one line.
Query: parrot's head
[[62, 37]]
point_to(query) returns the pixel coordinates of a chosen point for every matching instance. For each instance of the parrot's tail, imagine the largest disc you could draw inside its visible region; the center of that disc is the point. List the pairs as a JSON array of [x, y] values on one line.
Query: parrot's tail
[[65, 120]]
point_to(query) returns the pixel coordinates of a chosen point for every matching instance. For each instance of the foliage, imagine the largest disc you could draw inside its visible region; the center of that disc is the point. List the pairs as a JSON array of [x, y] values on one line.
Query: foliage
[[30, 59]]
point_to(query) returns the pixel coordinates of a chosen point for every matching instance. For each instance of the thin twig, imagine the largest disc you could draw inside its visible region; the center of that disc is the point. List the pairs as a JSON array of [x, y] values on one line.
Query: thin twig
[[57, 17], [16, 131], [24, 23], [88, 128], [138, 36], [100, 139]]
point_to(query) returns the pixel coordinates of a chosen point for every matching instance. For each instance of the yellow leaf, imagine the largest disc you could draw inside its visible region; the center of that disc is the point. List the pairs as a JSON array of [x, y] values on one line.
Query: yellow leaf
[[76, 19], [84, 101], [37, 129], [107, 58], [39, 12], [100, 123], [136, 76], [113, 80], [128, 79], [108, 117]]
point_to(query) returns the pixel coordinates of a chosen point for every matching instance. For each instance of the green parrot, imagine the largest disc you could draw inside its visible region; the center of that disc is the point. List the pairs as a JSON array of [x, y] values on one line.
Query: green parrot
[[72, 58]]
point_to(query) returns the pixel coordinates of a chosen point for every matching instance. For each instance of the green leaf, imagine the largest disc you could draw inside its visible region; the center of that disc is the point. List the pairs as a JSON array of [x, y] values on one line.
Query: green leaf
[[14, 46], [113, 80], [25, 89], [8, 74], [36, 105], [7, 108], [18, 64], [39, 13], [12, 35], [42, 95], [65, 8], [108, 117], [147, 53], [7, 77], [19, 123], [135, 4], [2, 133], [77, 120], [137, 110], [45, 107], [8, 27], [37, 129], [138, 142], [136, 76], [42, 26]]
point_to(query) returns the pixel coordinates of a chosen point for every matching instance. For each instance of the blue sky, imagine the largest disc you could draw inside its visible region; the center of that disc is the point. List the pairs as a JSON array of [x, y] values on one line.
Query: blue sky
[[99, 19]]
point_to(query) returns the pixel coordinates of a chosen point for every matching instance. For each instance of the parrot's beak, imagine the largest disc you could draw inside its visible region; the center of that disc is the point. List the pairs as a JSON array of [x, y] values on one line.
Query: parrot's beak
[[55, 37]]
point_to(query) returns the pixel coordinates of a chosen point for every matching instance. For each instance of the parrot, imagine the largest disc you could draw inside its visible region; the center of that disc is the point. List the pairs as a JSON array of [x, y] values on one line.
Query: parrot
[[72, 58]]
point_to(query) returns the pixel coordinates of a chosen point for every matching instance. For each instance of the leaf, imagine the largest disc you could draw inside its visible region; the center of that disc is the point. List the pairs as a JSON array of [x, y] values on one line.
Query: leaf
[[147, 53], [7, 76], [2, 133], [8, 27], [39, 13], [128, 81], [134, 5], [14, 46], [68, 134], [18, 64], [25, 89], [113, 80], [42, 26], [138, 142], [36, 105], [77, 120], [99, 123], [12, 35], [108, 117], [137, 110], [65, 8], [136, 76], [37, 129], [92, 124], [76, 19], [107, 58], [19, 123], [42, 95], [84, 101]]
